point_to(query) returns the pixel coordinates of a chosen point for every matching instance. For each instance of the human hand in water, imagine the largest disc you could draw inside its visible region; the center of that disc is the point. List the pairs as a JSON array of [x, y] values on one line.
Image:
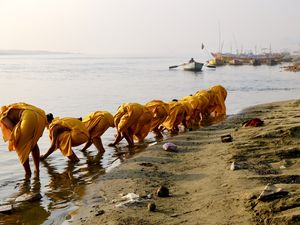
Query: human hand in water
[[111, 144], [43, 157]]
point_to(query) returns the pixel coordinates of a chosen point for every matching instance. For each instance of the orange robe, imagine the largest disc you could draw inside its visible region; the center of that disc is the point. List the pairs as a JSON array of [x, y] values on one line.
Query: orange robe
[[26, 132], [98, 122], [220, 97], [134, 118], [77, 135], [160, 112], [175, 117]]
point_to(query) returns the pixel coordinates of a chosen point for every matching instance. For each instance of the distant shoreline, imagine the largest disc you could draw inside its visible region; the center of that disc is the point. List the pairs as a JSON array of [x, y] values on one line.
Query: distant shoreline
[[32, 52]]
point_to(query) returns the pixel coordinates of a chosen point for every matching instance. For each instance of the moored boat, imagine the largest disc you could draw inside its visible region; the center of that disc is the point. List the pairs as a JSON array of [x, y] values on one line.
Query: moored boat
[[235, 62], [193, 66]]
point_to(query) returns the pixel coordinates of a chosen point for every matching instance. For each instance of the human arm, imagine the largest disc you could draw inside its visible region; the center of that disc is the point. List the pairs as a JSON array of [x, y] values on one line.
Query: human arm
[[54, 134], [8, 123]]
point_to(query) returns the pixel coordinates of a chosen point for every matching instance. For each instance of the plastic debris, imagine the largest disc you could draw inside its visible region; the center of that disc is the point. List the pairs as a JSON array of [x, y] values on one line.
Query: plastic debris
[[255, 122], [272, 192], [130, 198]]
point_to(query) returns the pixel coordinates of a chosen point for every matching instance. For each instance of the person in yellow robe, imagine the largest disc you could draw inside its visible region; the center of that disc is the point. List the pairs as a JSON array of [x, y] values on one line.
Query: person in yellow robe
[[204, 97], [22, 125], [97, 123], [64, 134], [132, 119], [160, 112], [189, 113], [175, 118], [220, 96]]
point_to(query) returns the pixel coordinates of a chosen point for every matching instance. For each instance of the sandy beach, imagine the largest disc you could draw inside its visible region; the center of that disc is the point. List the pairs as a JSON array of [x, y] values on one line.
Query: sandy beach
[[203, 188]]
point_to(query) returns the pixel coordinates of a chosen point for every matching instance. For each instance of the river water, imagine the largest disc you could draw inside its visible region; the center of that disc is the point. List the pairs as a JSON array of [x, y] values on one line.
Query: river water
[[75, 85]]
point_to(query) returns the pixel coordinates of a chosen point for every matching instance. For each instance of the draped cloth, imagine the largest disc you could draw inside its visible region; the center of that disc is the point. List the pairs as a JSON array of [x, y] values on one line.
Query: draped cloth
[[133, 118], [77, 135], [220, 97], [160, 112], [176, 115], [98, 122], [26, 132]]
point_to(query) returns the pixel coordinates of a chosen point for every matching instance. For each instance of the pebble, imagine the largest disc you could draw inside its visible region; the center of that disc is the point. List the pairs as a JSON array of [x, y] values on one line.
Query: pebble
[[151, 207], [29, 197], [162, 191], [6, 208]]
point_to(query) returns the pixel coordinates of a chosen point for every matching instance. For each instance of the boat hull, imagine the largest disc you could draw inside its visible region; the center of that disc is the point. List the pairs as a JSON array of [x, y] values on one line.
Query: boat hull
[[193, 66]]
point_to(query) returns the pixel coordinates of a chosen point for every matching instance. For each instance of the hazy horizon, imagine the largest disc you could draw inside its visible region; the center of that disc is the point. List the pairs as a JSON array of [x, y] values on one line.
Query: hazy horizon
[[140, 27]]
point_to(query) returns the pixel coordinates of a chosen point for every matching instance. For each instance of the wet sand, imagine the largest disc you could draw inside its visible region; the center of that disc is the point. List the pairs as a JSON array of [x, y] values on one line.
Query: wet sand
[[203, 189]]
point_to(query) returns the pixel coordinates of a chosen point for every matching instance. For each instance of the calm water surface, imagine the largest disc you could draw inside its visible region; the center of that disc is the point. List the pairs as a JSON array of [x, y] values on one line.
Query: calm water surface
[[75, 85]]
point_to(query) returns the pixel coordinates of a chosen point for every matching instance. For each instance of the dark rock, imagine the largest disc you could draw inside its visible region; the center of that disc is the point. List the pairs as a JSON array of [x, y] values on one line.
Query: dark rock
[[29, 197], [151, 207], [162, 191], [226, 138]]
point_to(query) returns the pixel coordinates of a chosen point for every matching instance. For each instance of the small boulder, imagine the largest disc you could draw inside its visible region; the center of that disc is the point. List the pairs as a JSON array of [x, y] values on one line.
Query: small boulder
[[226, 138], [6, 209], [162, 191], [29, 197], [170, 147], [151, 207]]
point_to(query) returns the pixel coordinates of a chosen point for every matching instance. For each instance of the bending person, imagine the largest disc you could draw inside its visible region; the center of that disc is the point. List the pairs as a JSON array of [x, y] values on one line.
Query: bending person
[[126, 121], [22, 125], [97, 123], [64, 134], [160, 112]]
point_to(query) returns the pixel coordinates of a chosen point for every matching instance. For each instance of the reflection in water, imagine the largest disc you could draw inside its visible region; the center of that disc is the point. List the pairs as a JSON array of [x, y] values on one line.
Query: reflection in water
[[24, 212], [67, 188]]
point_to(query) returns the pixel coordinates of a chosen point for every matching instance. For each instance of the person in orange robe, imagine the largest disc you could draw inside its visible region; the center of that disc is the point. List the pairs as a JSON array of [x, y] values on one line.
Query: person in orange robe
[[132, 120], [97, 123], [220, 93], [64, 134], [22, 125], [160, 112], [204, 97], [175, 118]]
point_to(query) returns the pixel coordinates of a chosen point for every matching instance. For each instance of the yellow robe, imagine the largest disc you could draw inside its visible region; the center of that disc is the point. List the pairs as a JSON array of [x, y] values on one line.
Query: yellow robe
[[220, 97], [26, 132], [176, 115], [189, 112], [160, 112], [143, 125], [134, 118], [127, 116], [205, 98], [98, 122], [77, 135]]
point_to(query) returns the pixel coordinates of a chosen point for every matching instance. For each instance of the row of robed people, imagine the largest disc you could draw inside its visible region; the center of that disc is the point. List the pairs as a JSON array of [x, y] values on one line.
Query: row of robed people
[[23, 124]]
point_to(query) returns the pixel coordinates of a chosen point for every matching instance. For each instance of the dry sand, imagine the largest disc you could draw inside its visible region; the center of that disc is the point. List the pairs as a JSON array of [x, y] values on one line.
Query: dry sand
[[203, 189]]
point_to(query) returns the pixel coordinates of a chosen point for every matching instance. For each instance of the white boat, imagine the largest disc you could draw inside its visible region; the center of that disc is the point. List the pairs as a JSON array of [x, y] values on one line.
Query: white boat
[[193, 66]]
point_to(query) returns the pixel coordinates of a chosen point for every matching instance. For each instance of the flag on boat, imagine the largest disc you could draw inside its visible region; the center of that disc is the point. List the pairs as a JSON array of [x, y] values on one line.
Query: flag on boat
[[202, 46]]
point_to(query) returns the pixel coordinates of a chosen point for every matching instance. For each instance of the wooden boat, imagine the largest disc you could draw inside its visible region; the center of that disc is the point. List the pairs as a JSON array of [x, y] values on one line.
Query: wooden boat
[[235, 62], [255, 62], [193, 66]]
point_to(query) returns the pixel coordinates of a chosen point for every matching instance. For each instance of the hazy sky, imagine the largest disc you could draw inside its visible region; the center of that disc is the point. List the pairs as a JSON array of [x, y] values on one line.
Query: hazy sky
[[149, 27]]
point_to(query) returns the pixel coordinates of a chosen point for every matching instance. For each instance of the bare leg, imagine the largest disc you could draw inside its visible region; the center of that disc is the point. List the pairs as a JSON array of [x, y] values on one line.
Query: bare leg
[[88, 144], [27, 168], [118, 139], [157, 133], [128, 139], [98, 143], [36, 159], [73, 158]]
